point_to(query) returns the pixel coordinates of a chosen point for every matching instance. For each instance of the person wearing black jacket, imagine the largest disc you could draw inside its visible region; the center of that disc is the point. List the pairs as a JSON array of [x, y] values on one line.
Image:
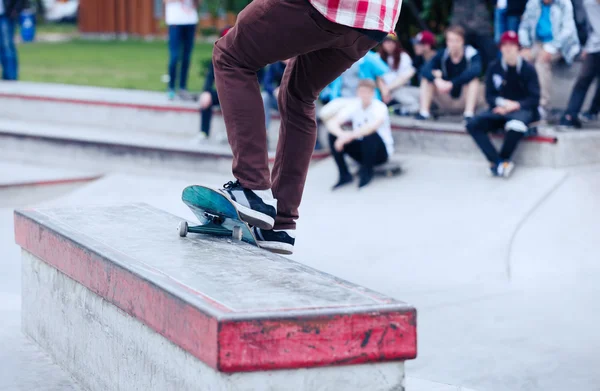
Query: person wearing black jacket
[[9, 15], [450, 78], [513, 94]]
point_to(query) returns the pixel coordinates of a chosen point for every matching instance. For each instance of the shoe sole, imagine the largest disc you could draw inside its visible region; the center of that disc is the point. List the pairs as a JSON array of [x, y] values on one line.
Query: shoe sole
[[277, 247], [255, 218]]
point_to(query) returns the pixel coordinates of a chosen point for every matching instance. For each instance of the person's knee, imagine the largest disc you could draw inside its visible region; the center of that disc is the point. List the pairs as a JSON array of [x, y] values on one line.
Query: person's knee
[[516, 125], [473, 126]]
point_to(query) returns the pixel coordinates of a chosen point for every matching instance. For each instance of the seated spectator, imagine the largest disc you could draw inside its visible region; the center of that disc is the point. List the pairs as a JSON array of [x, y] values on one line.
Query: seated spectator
[[369, 142], [395, 89], [424, 47], [547, 33], [450, 79], [513, 94], [271, 83], [371, 66], [590, 70], [507, 16]]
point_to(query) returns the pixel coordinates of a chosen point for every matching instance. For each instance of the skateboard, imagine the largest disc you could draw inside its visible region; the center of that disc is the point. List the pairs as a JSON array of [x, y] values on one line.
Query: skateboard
[[217, 215], [388, 170]]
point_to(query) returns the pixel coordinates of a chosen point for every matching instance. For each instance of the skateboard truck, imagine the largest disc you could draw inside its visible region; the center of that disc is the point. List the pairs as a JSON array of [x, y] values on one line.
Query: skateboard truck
[[210, 228]]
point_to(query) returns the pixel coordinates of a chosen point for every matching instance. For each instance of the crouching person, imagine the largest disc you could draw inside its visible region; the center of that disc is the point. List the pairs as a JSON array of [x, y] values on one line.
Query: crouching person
[[369, 142], [513, 94]]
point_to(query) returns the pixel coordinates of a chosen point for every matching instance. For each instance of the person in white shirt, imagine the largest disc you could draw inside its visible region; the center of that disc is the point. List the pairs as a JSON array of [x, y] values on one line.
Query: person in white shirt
[[182, 18], [369, 142], [395, 89]]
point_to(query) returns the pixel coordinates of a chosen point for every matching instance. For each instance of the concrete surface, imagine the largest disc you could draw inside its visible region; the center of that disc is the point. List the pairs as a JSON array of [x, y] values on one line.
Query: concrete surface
[[503, 273], [106, 349]]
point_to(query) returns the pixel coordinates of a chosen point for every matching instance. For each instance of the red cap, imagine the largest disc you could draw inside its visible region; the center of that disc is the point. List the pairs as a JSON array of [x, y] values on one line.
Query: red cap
[[424, 38], [509, 37]]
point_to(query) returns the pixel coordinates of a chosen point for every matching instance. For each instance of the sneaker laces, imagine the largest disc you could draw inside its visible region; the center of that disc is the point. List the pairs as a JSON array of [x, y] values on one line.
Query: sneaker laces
[[231, 184]]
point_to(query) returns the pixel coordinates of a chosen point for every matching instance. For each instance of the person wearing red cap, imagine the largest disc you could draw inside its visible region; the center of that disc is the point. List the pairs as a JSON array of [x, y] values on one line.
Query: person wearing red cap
[[513, 95], [424, 47], [322, 38]]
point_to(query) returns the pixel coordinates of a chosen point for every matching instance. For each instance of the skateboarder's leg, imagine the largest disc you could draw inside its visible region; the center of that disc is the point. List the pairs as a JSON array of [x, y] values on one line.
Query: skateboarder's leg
[[305, 76], [268, 31]]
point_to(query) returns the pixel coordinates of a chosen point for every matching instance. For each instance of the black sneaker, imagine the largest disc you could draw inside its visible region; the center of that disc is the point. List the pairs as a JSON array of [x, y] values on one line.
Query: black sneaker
[[421, 117], [365, 177], [344, 180], [588, 116], [280, 242], [256, 207], [569, 122]]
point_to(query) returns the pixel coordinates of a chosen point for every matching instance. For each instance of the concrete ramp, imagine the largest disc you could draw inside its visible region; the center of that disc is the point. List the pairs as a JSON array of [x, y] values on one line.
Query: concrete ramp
[[122, 303]]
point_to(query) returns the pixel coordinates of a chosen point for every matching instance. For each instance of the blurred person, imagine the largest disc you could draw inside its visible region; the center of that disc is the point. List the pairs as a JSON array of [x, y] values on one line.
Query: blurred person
[[592, 113], [322, 39], [450, 79], [395, 89], [513, 94], [370, 141], [547, 33], [370, 66], [271, 82], [9, 16], [424, 48], [590, 69], [475, 18], [182, 18], [507, 16]]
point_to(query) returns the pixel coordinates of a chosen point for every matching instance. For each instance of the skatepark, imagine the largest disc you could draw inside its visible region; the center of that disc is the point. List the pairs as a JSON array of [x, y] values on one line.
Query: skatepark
[[502, 273]]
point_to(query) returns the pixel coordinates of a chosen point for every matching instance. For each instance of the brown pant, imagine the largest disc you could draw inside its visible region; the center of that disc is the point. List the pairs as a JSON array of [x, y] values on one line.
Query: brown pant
[[268, 31]]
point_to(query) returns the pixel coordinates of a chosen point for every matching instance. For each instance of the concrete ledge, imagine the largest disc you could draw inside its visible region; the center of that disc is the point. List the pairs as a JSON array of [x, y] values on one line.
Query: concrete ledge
[[232, 307], [106, 349]]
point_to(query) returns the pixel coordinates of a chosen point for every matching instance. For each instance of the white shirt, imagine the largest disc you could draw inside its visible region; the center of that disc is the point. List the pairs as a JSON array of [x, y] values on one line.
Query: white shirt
[[406, 65], [360, 116], [1, 7], [181, 12]]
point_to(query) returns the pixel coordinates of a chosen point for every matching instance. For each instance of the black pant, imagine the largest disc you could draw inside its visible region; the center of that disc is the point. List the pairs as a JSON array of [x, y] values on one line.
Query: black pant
[[206, 114], [481, 124], [595, 105], [485, 44], [369, 152], [590, 70]]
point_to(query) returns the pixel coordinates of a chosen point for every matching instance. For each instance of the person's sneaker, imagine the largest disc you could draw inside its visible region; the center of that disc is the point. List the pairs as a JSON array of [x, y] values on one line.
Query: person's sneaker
[[422, 117], [507, 168], [256, 207], [344, 180], [200, 138], [496, 170], [569, 122], [280, 242], [170, 94], [365, 177], [588, 117]]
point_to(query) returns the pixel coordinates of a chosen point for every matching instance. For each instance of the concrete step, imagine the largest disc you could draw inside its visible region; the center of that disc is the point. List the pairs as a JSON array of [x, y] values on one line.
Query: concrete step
[[104, 150], [126, 110]]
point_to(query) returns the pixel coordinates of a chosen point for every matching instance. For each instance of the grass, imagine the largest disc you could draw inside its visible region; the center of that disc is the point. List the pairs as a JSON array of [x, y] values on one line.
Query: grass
[[62, 28], [132, 64]]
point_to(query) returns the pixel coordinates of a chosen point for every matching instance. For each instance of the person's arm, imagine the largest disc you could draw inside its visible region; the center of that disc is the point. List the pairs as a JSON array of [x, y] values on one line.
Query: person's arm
[[532, 84], [473, 71], [381, 114], [402, 79], [567, 30], [429, 66], [334, 125], [528, 23]]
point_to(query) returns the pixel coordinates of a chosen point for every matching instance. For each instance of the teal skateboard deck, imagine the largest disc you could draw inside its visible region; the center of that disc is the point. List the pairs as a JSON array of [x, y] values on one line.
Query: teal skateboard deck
[[217, 215]]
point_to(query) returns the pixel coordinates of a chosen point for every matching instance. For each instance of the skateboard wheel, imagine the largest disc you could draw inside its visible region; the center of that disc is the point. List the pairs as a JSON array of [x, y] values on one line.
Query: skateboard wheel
[[236, 233], [183, 229]]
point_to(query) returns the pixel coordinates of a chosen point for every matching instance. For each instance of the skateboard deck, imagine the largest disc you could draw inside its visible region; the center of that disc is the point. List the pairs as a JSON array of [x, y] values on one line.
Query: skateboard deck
[[389, 169], [217, 215]]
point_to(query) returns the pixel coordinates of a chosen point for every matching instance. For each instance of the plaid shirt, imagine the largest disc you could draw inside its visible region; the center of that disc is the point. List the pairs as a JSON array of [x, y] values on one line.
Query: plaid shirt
[[381, 15]]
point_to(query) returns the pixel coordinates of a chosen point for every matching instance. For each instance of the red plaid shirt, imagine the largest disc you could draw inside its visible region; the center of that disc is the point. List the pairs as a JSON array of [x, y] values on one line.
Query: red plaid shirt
[[381, 15]]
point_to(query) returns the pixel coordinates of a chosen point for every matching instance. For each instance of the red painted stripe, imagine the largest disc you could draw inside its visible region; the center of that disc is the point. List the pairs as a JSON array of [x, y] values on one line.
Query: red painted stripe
[[50, 182], [535, 139], [174, 109], [331, 340], [178, 321]]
